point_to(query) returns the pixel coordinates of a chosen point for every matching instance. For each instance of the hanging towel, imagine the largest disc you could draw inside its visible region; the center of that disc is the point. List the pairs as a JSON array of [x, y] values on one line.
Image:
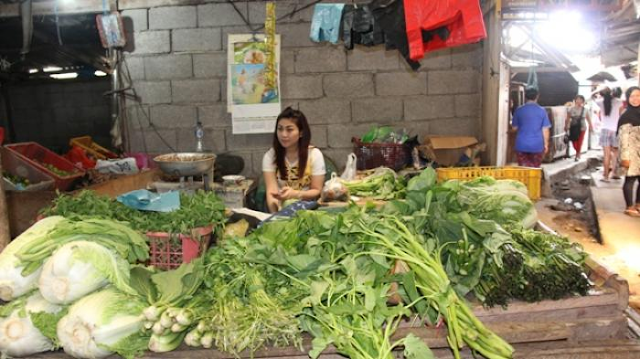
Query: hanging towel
[[325, 24]]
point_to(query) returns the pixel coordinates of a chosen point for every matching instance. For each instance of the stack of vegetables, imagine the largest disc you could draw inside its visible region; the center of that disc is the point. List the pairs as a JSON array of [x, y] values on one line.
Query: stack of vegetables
[[68, 285], [348, 279]]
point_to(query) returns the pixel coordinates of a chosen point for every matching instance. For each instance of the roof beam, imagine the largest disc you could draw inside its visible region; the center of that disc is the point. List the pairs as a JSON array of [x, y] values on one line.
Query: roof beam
[[47, 7]]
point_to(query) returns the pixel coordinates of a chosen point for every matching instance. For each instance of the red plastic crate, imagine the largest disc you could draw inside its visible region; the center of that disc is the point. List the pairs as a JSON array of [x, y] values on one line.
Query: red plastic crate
[[169, 251], [37, 154], [17, 166]]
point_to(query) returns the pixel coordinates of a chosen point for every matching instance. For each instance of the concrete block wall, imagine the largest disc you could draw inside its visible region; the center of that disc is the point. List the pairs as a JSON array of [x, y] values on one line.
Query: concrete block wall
[[177, 62], [52, 113]]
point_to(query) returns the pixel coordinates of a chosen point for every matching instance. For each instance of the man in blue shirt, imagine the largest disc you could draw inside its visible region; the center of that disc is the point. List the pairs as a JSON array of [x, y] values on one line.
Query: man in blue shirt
[[531, 123]]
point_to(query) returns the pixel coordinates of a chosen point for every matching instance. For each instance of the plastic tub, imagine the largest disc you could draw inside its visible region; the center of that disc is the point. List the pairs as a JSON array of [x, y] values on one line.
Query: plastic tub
[[16, 166], [169, 251], [40, 156]]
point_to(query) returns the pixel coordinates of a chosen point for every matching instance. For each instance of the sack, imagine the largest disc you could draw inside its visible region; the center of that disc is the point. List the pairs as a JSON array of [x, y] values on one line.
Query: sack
[[334, 190], [350, 168]]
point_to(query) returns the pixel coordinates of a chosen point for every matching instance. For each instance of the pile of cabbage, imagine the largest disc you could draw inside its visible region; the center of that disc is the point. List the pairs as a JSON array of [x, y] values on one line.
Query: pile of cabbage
[[68, 284]]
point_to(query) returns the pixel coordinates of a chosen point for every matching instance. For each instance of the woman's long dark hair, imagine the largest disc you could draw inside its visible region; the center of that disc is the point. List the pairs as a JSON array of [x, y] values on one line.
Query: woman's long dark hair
[[303, 143], [606, 97]]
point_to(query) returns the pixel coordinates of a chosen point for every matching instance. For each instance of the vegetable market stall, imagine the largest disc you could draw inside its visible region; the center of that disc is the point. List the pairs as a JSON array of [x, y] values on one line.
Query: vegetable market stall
[[555, 327]]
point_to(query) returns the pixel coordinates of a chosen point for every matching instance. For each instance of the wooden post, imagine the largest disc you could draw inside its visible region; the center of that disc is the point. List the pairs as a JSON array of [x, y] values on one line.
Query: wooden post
[[5, 234]]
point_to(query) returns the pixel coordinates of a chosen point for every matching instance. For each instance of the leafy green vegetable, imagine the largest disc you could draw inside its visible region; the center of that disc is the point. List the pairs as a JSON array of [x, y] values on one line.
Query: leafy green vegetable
[[383, 184], [414, 348], [201, 209]]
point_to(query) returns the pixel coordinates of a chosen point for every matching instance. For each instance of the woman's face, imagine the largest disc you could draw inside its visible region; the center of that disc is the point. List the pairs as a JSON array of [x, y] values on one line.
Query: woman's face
[[288, 132], [579, 101], [634, 98]]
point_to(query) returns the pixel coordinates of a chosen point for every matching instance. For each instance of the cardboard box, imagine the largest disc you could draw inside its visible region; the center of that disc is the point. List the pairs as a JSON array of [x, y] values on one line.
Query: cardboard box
[[447, 151]]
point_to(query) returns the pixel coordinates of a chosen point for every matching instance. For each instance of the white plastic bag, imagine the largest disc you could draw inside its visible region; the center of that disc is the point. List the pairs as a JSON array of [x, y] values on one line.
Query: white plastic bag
[[350, 169], [334, 190]]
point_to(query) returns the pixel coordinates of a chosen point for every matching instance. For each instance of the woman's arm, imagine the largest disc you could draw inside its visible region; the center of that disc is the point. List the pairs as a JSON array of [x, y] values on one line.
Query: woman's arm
[[271, 186], [588, 117]]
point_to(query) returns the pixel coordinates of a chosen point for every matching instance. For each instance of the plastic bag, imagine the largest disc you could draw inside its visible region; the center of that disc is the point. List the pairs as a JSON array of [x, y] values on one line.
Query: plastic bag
[[349, 173], [334, 190]]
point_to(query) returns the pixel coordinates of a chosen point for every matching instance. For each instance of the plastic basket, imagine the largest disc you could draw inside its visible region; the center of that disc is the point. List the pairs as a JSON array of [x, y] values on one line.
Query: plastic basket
[[372, 155], [39, 156], [92, 148], [169, 251], [16, 166], [530, 177]]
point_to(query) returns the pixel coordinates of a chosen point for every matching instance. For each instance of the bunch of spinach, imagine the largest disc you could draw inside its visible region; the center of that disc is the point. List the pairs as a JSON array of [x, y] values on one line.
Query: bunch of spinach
[[200, 209], [383, 184]]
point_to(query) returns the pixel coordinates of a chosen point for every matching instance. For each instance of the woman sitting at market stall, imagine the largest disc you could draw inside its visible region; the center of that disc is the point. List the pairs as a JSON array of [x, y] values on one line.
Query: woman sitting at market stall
[[292, 169]]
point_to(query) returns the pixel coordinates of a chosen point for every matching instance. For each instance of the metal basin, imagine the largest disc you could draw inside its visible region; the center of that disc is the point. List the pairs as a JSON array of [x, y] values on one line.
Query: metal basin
[[185, 163]]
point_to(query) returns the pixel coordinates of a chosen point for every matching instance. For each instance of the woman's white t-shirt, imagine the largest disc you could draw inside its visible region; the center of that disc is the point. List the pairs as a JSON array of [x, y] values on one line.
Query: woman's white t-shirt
[[315, 161], [610, 122]]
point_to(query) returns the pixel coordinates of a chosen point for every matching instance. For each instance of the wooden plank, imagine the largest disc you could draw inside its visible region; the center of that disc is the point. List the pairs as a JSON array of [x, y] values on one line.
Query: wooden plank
[[124, 184], [565, 315], [5, 233]]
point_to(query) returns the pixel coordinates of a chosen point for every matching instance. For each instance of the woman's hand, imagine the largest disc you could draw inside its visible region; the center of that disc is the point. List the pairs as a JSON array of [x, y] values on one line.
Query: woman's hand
[[287, 193]]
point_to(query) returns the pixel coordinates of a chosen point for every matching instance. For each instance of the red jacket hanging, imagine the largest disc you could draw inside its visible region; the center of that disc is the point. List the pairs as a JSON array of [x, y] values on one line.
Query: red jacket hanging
[[462, 20]]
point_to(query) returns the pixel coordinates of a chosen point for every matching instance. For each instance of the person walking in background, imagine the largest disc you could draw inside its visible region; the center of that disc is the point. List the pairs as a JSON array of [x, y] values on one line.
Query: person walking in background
[[629, 135], [531, 124], [576, 124], [610, 107]]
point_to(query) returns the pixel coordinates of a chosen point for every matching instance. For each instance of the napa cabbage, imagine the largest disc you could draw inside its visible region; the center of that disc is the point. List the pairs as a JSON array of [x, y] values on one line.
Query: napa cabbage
[[13, 283], [503, 201], [79, 268], [102, 323], [27, 326]]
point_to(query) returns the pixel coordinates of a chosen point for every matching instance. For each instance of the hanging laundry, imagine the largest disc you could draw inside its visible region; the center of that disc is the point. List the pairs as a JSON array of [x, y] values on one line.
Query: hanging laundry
[[325, 24], [360, 27], [461, 18], [389, 14]]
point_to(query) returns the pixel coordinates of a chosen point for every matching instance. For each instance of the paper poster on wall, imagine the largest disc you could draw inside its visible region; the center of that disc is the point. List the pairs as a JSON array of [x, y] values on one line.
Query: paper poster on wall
[[253, 103]]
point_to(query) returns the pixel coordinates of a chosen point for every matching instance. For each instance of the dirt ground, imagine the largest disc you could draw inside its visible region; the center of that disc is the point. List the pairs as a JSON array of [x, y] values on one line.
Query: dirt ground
[[579, 226]]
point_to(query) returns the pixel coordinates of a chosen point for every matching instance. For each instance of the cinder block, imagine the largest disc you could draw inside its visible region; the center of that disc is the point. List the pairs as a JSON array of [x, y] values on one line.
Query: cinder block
[[454, 127], [215, 116], [348, 85], [453, 82], [428, 107], [287, 61], [135, 66], [340, 135], [321, 59], [155, 142], [139, 20], [377, 109], [401, 83], [172, 17], [295, 87], [153, 92], [437, 60], [168, 67], [319, 136], [295, 35], [244, 142], [372, 58], [173, 116], [468, 106], [196, 40], [210, 15], [467, 56], [195, 91], [138, 116], [257, 11], [210, 65], [326, 110], [213, 140]]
